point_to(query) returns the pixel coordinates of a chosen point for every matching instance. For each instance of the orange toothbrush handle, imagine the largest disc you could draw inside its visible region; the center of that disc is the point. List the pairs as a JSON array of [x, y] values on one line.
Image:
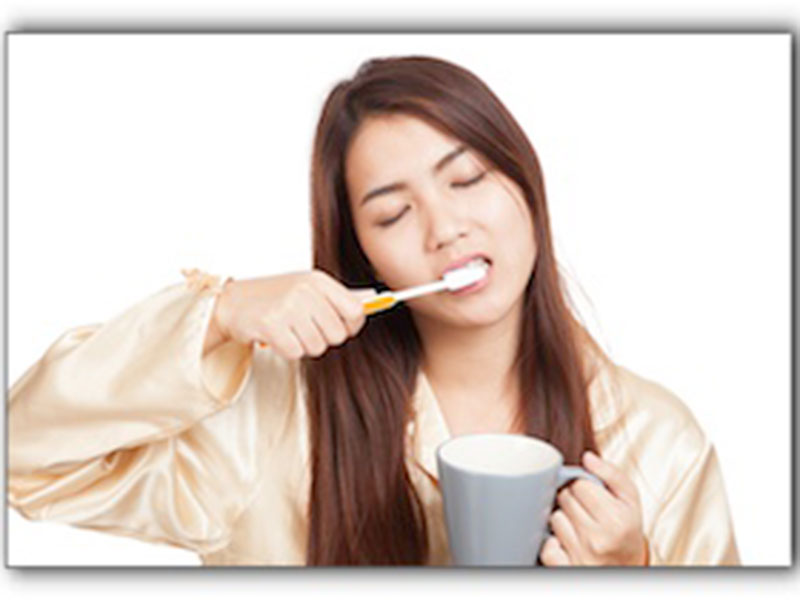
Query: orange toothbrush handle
[[379, 303]]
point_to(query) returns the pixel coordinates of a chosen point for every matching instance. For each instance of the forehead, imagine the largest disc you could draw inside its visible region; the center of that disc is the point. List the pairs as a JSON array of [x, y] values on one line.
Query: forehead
[[390, 145]]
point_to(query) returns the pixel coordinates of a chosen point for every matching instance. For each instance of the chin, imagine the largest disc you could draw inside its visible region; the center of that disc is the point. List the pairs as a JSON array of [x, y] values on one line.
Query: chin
[[488, 310], [483, 321], [484, 315], [477, 314]]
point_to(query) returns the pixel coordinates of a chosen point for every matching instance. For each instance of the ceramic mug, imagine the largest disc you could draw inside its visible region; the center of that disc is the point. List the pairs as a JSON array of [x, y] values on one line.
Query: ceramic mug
[[498, 491]]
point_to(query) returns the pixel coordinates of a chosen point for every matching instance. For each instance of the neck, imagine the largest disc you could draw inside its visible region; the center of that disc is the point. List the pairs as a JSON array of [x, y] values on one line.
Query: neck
[[472, 361]]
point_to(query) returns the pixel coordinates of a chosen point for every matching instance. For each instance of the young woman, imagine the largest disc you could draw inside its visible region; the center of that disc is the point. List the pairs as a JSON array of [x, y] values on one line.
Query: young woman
[[268, 421]]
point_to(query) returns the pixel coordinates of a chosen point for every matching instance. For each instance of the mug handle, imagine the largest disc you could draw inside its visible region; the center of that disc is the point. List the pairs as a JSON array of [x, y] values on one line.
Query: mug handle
[[567, 474]]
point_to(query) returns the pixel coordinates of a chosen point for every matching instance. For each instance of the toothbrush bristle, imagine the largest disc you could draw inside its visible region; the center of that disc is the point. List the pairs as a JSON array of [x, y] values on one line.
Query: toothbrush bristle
[[464, 276]]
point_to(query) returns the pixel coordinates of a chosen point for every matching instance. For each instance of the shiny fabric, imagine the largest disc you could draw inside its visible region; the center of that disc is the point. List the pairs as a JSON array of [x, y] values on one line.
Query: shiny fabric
[[127, 428]]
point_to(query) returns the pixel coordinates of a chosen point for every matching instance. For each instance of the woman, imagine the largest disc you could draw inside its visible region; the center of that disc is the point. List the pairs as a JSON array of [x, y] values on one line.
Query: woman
[[171, 423]]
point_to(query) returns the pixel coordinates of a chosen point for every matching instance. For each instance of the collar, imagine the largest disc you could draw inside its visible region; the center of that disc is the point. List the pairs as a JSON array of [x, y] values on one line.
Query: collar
[[427, 428]]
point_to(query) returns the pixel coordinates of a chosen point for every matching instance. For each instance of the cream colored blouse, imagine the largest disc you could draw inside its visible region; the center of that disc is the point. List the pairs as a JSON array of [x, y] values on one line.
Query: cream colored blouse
[[125, 427]]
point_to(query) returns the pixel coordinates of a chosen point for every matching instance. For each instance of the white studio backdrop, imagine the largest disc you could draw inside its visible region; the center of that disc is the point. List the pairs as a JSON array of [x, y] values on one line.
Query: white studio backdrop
[[666, 160]]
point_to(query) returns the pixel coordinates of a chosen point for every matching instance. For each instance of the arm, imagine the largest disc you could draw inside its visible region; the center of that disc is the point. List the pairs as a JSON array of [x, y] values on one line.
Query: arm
[[660, 443], [693, 525], [120, 426]]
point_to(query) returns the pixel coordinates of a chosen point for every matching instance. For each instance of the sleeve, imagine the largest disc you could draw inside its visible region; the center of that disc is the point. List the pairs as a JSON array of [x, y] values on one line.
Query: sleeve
[[693, 525], [106, 430]]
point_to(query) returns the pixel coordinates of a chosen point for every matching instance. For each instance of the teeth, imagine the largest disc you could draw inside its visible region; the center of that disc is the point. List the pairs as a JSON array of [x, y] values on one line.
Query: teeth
[[478, 262], [474, 263]]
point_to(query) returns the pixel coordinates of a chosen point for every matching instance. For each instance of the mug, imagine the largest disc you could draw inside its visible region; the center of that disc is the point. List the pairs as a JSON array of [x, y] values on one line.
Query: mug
[[498, 491]]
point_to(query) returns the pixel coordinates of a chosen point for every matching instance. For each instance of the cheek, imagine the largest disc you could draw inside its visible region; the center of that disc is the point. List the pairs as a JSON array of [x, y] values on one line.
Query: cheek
[[525, 238], [523, 244], [504, 208], [394, 264], [514, 235]]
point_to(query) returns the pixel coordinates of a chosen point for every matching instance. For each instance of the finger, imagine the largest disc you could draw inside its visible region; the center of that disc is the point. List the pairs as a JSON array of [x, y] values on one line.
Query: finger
[[566, 534], [347, 303], [576, 512], [363, 296], [553, 553], [309, 335], [596, 500], [617, 481], [284, 342], [329, 322], [360, 296]]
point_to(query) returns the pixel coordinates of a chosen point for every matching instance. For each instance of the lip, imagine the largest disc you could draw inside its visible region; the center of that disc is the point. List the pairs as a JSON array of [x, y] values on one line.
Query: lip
[[463, 261]]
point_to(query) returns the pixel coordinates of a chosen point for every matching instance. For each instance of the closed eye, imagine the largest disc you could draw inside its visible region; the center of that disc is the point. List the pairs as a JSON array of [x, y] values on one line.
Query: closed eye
[[473, 181], [455, 184], [393, 219]]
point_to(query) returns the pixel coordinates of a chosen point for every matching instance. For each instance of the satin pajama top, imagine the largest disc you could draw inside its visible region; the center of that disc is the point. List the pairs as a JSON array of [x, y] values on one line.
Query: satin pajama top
[[125, 427]]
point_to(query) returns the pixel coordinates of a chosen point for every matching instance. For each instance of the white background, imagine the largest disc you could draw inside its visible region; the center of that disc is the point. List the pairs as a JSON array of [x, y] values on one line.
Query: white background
[[666, 160]]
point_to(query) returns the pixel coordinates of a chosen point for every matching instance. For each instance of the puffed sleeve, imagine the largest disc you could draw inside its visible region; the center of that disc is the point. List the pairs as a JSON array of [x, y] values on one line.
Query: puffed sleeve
[[110, 428], [693, 525]]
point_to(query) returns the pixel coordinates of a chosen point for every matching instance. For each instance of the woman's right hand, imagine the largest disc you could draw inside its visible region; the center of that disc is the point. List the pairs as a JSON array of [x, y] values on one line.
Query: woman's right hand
[[296, 314]]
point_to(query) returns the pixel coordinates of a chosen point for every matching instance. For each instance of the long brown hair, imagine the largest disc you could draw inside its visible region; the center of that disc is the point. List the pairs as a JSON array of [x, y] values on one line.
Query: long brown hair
[[363, 507]]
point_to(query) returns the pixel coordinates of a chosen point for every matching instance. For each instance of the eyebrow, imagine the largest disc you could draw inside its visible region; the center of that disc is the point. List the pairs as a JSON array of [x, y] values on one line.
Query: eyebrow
[[393, 187]]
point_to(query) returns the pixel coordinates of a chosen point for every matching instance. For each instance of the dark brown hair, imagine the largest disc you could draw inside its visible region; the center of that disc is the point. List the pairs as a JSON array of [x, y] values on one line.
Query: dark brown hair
[[363, 508]]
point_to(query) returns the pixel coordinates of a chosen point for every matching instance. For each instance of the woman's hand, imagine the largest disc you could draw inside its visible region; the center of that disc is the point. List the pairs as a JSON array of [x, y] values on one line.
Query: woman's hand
[[296, 314], [595, 525]]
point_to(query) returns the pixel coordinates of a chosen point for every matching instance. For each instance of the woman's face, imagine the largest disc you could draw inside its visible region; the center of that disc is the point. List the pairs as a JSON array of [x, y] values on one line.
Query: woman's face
[[418, 205]]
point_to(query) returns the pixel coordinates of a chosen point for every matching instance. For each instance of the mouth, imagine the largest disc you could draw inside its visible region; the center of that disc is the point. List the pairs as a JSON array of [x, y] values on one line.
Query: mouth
[[482, 282], [477, 259]]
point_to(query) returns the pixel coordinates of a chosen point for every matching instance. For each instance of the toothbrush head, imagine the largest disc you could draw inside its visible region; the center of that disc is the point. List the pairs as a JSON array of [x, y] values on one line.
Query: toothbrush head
[[466, 275]]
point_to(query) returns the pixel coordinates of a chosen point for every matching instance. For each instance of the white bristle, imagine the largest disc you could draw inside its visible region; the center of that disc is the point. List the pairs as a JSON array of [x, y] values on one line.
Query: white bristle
[[466, 275]]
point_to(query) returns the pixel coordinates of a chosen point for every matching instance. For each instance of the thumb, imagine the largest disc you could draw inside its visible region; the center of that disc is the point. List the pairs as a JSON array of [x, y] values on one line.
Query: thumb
[[364, 293]]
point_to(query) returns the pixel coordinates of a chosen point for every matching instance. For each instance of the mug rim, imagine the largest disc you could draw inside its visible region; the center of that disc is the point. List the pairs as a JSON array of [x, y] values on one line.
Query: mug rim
[[528, 438]]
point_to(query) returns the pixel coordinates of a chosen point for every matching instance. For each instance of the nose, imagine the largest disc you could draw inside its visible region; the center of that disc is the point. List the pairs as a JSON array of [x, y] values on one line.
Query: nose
[[445, 222]]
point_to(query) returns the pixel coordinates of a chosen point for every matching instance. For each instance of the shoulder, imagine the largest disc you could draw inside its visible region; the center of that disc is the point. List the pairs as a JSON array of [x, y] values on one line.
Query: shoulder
[[620, 396], [617, 395], [655, 404], [620, 399], [648, 430]]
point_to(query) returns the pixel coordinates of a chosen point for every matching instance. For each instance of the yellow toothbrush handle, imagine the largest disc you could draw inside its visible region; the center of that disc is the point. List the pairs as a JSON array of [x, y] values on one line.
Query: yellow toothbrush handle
[[371, 306], [379, 303]]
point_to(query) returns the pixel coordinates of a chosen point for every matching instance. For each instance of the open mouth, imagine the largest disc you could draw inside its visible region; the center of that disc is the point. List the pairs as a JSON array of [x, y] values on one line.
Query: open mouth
[[482, 263], [479, 261]]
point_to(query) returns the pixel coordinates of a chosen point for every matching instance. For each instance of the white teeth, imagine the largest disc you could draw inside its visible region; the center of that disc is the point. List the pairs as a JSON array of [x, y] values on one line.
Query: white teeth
[[478, 262], [474, 263], [468, 274]]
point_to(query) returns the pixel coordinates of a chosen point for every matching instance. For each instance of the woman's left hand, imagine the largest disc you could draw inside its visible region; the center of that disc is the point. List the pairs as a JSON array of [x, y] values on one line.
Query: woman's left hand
[[595, 525]]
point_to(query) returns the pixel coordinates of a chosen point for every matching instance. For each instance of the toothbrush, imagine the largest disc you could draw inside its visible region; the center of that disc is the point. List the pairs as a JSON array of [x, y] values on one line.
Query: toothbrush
[[451, 281]]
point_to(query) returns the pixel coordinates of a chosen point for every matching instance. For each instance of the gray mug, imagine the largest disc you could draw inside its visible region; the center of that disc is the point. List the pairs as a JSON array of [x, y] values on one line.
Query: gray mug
[[498, 491]]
